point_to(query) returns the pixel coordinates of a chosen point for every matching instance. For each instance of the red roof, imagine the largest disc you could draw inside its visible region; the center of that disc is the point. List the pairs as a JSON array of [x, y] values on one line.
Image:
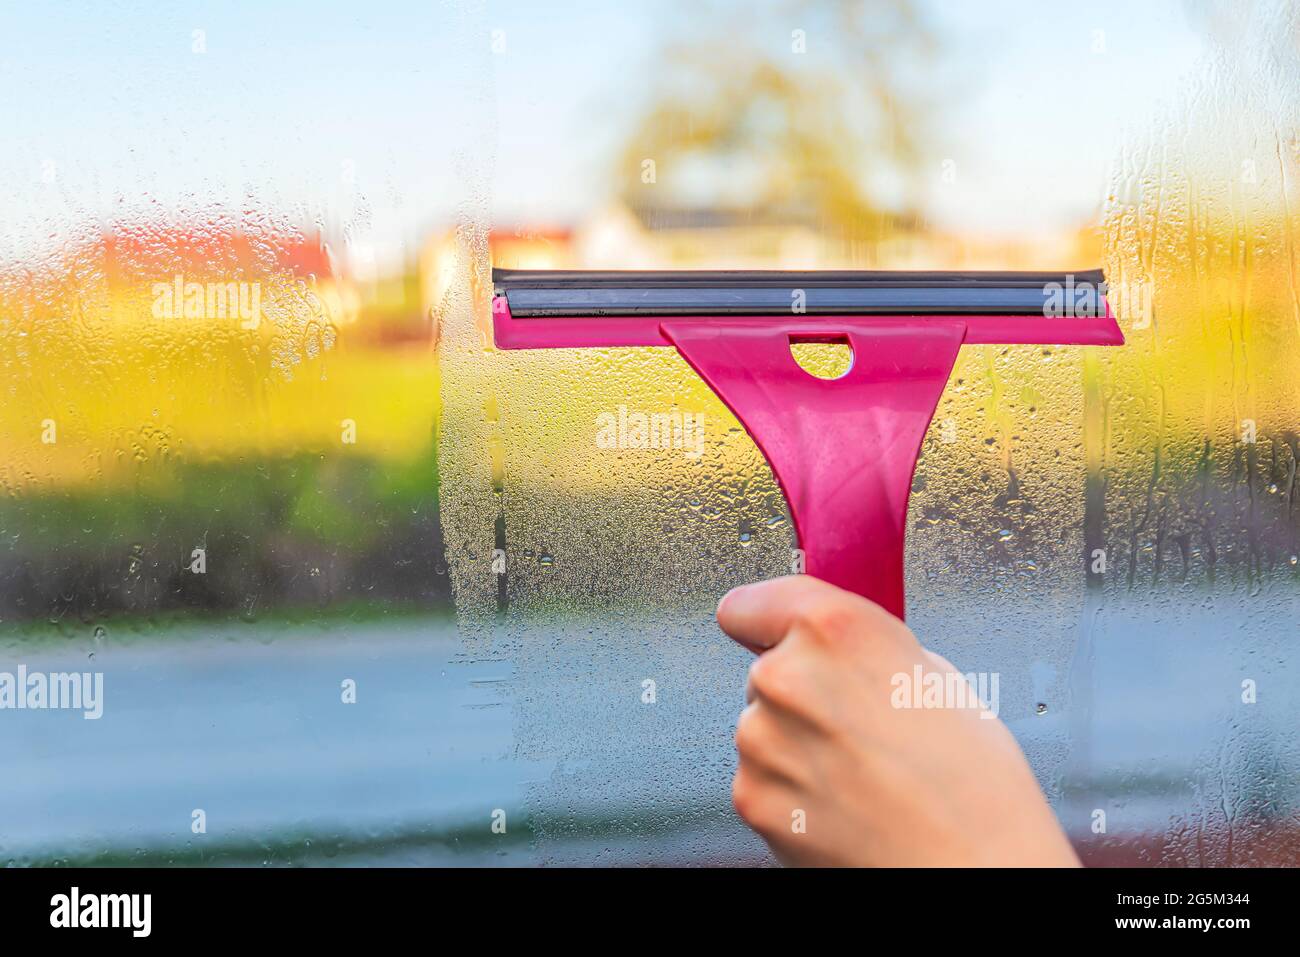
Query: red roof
[[132, 251]]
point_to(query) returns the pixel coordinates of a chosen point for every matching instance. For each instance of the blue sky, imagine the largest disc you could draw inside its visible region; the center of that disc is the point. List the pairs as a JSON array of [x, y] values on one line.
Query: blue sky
[[394, 117]]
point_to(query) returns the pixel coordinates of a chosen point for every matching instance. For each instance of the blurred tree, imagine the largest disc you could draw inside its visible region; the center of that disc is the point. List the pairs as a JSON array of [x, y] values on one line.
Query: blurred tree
[[810, 112]]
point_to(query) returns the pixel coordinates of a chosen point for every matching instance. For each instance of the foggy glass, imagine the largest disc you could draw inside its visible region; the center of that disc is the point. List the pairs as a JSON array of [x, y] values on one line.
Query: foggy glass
[[450, 609]]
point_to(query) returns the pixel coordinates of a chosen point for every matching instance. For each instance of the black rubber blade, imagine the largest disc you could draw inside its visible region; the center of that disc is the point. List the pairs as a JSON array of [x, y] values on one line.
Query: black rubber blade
[[543, 293]]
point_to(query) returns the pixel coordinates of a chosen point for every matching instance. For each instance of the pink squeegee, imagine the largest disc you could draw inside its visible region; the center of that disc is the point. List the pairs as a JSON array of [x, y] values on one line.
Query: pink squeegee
[[843, 450]]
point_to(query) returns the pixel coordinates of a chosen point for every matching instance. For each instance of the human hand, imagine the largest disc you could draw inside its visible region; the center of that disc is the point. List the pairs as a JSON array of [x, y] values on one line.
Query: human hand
[[833, 772]]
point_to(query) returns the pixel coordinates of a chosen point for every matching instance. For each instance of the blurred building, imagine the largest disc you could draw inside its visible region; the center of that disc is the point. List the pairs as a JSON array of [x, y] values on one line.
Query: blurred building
[[621, 237]]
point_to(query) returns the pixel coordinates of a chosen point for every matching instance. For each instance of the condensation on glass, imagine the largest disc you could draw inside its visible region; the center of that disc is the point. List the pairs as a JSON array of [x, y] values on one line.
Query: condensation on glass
[[363, 589], [1114, 534]]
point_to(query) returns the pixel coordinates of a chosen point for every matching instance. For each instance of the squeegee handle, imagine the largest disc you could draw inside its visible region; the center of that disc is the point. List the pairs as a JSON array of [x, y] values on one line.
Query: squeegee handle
[[843, 450]]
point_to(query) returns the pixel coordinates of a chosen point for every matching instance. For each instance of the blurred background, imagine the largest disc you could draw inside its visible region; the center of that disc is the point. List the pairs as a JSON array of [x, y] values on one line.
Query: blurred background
[[258, 444]]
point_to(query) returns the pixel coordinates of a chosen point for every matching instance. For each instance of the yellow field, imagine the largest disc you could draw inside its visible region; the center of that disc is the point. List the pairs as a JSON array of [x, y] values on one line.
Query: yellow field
[[98, 390]]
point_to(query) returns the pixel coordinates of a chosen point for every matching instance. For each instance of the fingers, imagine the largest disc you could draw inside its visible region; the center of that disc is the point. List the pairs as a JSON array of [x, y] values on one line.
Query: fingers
[[770, 742], [760, 615], [774, 808]]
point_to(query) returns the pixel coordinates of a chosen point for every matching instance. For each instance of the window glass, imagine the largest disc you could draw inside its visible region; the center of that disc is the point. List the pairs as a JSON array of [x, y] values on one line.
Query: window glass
[[363, 588]]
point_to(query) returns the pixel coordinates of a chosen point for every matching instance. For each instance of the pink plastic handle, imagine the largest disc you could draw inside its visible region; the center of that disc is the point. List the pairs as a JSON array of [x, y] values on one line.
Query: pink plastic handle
[[843, 450]]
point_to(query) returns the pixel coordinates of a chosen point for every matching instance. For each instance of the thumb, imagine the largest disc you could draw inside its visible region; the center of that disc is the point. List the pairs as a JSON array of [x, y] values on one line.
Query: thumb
[[760, 615]]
